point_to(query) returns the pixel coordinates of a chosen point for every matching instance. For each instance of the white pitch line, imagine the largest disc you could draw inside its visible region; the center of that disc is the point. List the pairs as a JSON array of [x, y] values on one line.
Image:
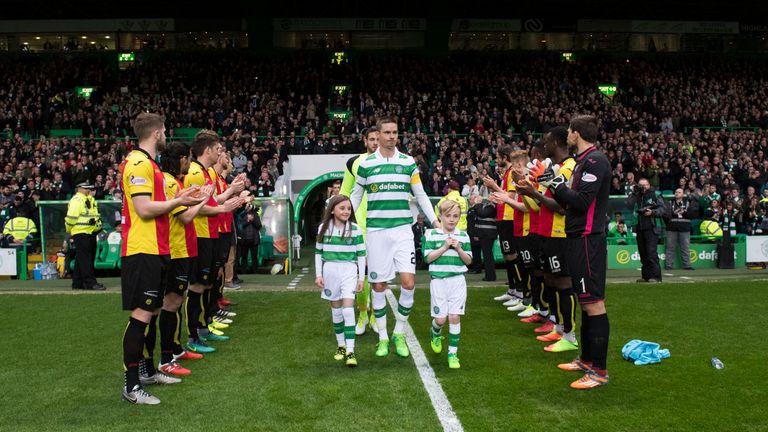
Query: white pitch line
[[440, 401], [685, 277], [668, 274]]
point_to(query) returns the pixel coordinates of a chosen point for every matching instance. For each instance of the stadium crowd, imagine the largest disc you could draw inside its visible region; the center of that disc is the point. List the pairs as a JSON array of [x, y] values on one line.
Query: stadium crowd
[[695, 123]]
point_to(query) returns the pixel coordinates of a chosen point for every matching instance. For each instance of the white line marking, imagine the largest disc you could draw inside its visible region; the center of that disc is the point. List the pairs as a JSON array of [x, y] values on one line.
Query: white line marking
[[440, 401], [685, 277], [668, 274]]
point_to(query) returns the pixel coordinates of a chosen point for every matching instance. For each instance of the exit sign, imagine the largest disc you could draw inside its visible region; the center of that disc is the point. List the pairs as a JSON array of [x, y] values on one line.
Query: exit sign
[[340, 115], [608, 89], [84, 92], [126, 57]]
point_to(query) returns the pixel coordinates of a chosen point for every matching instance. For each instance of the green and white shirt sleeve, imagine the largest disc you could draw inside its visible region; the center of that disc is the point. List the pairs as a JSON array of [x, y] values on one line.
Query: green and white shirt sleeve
[[448, 264]]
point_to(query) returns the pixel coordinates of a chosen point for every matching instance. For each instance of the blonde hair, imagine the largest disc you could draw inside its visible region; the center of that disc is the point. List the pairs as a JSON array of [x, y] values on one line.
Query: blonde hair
[[518, 155], [447, 206]]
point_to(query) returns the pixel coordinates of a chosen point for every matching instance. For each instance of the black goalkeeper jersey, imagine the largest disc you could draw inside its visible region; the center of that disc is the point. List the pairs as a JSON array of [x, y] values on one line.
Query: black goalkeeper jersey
[[586, 200]]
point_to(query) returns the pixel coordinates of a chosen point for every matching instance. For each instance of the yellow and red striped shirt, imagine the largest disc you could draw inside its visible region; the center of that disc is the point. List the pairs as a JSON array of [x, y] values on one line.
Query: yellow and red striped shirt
[[503, 211], [551, 223], [226, 219], [205, 226], [142, 176], [183, 238]]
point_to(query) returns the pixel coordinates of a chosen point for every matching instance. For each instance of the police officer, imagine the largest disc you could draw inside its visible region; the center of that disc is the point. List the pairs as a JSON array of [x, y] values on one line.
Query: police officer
[[649, 209], [454, 195], [83, 223], [18, 230]]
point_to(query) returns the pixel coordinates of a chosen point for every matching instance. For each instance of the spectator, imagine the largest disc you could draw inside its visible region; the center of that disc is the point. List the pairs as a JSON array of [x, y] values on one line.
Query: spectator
[[649, 209], [264, 186], [248, 241], [470, 188], [678, 215], [419, 228]]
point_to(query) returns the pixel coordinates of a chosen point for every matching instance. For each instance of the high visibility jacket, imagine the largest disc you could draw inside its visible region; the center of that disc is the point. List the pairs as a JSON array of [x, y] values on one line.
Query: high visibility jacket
[[19, 228], [454, 195], [82, 215]]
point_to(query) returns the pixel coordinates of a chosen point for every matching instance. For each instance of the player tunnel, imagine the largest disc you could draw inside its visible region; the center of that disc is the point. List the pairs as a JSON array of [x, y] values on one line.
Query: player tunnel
[[310, 204]]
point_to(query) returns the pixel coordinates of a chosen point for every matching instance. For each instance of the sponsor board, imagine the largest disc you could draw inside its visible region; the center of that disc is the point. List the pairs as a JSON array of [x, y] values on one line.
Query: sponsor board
[[703, 255]]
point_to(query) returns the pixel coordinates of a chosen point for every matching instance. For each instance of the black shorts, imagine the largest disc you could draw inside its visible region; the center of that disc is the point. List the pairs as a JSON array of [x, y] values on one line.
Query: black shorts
[[553, 256], [587, 261], [507, 237], [203, 270], [226, 240], [178, 275], [143, 280], [529, 247]]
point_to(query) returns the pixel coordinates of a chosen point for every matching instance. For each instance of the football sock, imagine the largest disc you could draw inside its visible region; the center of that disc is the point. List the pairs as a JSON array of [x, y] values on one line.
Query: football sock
[[586, 346], [541, 300], [349, 327], [150, 339], [133, 346], [379, 303], [168, 323], [363, 297], [598, 339], [436, 329], [177, 348], [194, 315], [454, 331], [404, 305], [511, 276], [338, 325], [566, 305]]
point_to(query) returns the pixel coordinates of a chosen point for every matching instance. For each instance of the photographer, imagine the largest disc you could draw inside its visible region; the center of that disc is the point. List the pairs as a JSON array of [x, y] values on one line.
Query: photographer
[[649, 209], [678, 215]]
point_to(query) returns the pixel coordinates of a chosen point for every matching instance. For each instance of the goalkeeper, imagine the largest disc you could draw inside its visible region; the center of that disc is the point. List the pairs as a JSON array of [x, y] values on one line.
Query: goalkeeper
[[371, 139]]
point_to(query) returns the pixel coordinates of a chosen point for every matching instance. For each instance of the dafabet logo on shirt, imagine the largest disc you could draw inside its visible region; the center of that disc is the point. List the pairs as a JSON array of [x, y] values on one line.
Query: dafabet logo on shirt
[[387, 187]]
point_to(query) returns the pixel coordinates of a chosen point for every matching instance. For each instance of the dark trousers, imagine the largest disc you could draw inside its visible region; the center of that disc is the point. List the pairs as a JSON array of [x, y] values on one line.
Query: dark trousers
[[246, 247], [486, 245], [85, 252], [477, 260], [647, 240]]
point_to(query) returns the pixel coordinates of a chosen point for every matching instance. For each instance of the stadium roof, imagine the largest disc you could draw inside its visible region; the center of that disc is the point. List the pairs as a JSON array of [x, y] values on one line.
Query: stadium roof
[[739, 10]]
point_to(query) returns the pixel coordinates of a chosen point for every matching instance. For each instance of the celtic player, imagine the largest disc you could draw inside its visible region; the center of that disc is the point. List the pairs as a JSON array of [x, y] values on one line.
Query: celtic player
[[371, 138], [390, 178]]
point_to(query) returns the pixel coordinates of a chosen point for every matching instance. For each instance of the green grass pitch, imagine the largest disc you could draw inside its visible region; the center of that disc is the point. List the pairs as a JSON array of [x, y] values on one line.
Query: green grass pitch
[[62, 369]]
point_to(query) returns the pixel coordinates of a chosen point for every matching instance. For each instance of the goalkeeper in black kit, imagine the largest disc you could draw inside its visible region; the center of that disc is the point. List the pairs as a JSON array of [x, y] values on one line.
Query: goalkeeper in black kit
[[585, 201]]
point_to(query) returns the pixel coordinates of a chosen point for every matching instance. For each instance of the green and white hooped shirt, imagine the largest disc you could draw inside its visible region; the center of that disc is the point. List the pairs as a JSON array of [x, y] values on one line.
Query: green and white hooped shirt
[[344, 244], [448, 264], [389, 184]]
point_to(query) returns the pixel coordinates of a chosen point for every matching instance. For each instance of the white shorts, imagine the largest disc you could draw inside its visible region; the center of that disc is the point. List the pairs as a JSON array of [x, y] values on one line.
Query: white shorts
[[390, 250], [448, 296], [340, 280]]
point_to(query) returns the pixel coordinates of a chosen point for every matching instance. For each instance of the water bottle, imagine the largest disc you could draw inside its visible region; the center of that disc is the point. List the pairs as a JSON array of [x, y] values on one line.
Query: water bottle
[[717, 363]]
